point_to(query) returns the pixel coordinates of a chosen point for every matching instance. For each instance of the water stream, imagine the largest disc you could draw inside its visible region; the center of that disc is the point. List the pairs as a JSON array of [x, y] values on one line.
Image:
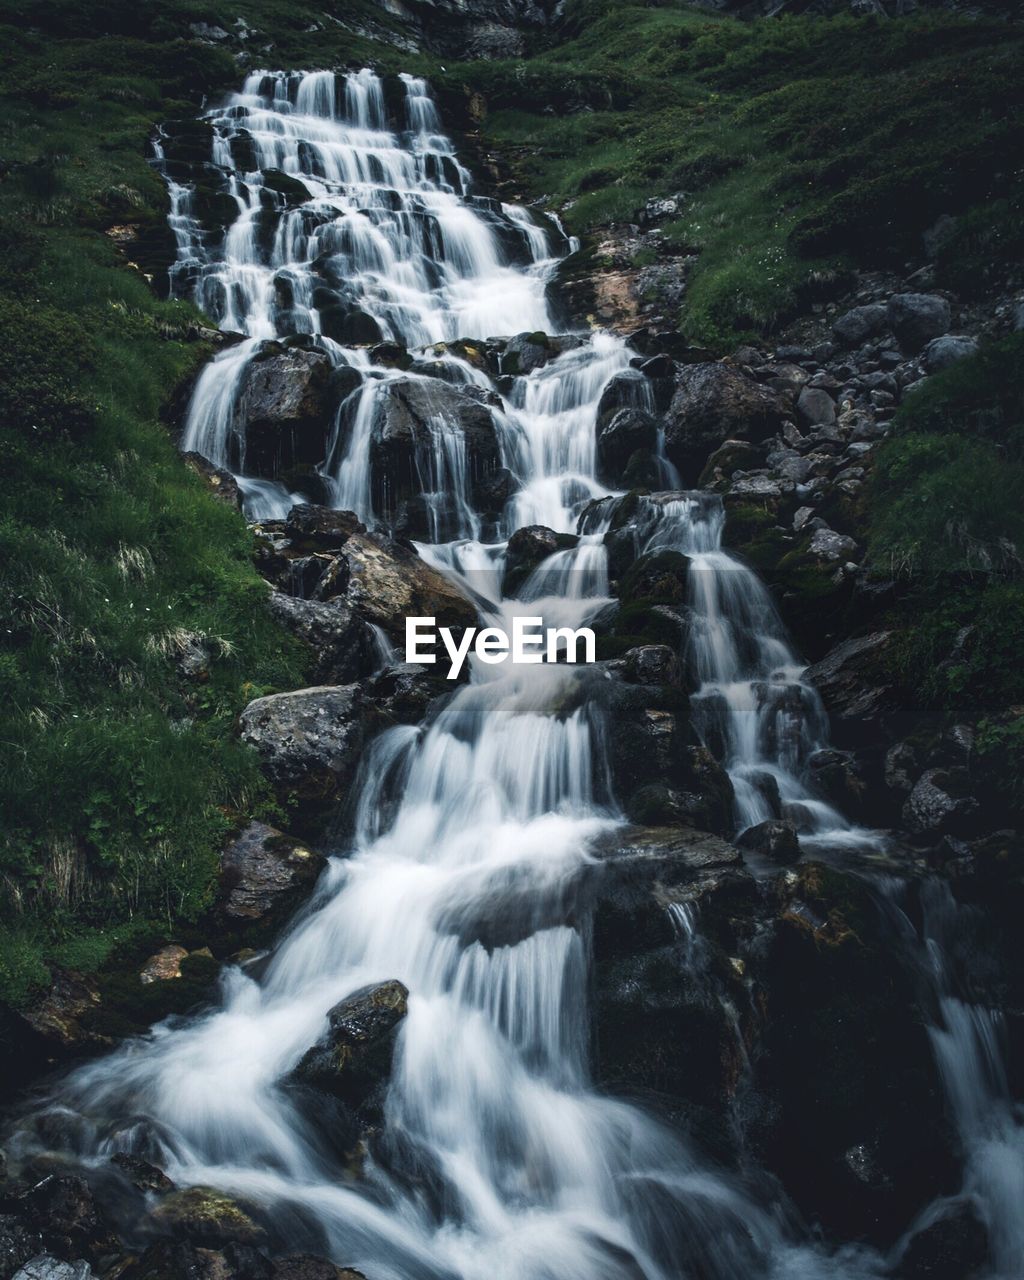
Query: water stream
[[498, 1160]]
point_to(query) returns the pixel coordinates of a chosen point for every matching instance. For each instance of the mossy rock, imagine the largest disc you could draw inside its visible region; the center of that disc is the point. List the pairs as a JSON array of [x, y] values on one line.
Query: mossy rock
[[659, 578], [207, 1216]]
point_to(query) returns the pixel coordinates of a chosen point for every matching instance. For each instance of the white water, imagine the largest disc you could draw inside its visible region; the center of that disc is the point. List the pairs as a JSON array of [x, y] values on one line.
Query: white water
[[498, 1160]]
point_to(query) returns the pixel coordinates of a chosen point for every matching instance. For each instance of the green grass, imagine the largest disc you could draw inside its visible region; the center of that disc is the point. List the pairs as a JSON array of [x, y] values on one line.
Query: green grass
[[804, 145], [945, 518], [119, 774]]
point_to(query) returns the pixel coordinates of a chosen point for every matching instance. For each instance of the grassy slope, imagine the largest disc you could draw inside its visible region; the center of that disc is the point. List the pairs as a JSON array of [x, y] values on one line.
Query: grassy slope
[[119, 777], [808, 147], [804, 145]]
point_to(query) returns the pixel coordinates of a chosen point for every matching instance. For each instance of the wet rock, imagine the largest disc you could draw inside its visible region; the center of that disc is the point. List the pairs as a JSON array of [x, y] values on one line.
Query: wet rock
[[47, 1267], [526, 352], [629, 390], [773, 839], [853, 682], [58, 1017], [222, 484], [308, 741], [388, 582], [650, 664], [661, 576], [916, 318], [306, 1266], [845, 1064], [309, 527], [953, 1247], [941, 801], [940, 353], [729, 457], [352, 1061], [838, 775], [815, 407], [286, 408], [627, 432], [166, 964], [900, 767], [141, 1174], [862, 322], [391, 355], [18, 1243], [64, 1211], [829, 545], [414, 419], [528, 548], [712, 403], [204, 1215], [341, 641], [265, 874]]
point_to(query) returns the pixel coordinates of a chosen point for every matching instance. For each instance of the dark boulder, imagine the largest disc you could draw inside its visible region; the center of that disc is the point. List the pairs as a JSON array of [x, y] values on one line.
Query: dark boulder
[[309, 741], [855, 1121], [855, 685], [853, 327], [942, 352], [917, 318], [660, 576], [421, 420], [315, 528], [206, 1216], [527, 550], [307, 1266], [941, 802], [286, 402], [628, 431], [63, 1210], [773, 839], [659, 772], [629, 390], [341, 641], [18, 1243], [953, 1246], [712, 403], [815, 407], [352, 1062]]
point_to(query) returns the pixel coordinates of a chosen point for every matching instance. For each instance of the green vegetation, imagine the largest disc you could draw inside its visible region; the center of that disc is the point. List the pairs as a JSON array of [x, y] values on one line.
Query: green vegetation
[[946, 519], [804, 146], [120, 771]]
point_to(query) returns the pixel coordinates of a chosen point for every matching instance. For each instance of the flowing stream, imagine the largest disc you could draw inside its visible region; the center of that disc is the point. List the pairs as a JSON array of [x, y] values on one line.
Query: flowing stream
[[498, 1160]]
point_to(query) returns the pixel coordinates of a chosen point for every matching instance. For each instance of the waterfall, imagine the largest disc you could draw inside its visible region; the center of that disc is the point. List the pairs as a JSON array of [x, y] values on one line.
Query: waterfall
[[498, 1157], [751, 705]]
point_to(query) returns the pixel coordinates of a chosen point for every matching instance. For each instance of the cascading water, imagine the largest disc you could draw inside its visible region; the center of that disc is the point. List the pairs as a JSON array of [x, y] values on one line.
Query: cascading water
[[497, 1158], [751, 705]]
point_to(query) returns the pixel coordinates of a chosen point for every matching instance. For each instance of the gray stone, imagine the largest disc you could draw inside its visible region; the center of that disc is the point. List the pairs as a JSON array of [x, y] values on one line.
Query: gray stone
[[308, 741], [816, 407], [860, 323], [341, 641], [713, 402], [940, 802], [46, 1267], [940, 353], [773, 839], [265, 873], [916, 318], [830, 545]]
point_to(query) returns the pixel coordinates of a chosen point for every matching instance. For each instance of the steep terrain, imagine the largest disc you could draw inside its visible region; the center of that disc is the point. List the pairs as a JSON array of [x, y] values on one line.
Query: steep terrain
[[808, 229]]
